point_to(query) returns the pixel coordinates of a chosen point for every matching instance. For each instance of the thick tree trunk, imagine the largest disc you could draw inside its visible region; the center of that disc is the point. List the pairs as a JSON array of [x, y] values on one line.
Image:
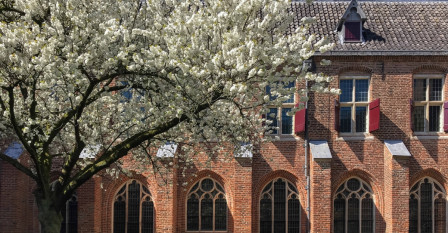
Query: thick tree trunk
[[50, 218]]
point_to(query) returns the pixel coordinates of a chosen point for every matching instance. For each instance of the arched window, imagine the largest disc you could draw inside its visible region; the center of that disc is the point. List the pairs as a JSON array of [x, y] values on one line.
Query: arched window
[[279, 207], [353, 208], [133, 209], [427, 207], [70, 216], [207, 207]]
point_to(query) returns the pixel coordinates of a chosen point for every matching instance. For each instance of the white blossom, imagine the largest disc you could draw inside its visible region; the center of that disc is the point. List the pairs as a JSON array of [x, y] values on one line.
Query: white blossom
[[87, 73]]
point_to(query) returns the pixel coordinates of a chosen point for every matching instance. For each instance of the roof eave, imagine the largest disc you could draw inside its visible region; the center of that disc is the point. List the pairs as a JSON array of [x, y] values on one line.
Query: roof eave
[[383, 53]]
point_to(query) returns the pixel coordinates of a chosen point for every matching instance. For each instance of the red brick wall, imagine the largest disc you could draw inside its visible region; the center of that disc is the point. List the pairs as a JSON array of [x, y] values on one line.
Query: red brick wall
[[243, 179]]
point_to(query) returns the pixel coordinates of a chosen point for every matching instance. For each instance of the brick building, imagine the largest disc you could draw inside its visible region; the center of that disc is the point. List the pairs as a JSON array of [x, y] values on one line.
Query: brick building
[[377, 154]]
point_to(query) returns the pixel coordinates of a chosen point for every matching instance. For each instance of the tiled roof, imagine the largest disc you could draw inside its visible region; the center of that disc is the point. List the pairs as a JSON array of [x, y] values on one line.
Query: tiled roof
[[392, 28]]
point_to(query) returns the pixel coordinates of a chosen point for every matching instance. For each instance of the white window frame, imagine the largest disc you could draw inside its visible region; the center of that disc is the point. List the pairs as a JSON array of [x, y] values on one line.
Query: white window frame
[[279, 115], [353, 104], [427, 103]]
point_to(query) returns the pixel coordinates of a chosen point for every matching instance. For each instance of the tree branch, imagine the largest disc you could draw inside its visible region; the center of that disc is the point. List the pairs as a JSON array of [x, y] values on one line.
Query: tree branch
[[18, 165], [122, 149]]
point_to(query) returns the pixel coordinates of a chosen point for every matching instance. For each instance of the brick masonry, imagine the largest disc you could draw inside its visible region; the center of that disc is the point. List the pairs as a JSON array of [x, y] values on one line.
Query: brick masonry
[[243, 179]]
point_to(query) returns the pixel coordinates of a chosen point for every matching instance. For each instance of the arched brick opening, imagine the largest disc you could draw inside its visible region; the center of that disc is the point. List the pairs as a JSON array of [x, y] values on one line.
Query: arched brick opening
[[259, 186]]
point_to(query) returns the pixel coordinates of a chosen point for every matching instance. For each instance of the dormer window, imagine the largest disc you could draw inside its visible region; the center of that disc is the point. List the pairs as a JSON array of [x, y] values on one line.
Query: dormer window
[[352, 31], [352, 27]]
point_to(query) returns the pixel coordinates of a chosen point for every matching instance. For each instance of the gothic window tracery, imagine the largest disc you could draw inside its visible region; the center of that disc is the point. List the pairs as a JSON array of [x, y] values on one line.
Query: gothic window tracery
[[280, 207], [133, 209], [206, 207], [427, 207], [353, 208]]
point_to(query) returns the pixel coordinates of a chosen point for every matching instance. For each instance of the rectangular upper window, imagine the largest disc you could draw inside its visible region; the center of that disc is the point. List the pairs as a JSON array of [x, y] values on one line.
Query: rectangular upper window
[[354, 102], [427, 113], [282, 121]]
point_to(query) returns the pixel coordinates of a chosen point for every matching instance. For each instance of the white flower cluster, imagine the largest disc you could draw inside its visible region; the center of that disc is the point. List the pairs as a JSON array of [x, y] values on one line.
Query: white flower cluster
[[101, 72]]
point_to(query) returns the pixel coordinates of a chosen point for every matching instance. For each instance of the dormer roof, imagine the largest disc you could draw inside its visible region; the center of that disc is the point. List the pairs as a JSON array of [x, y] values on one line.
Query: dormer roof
[[392, 28], [352, 7]]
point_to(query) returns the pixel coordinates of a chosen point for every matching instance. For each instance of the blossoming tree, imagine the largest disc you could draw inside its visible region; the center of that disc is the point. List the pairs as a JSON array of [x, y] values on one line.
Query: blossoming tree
[[122, 76]]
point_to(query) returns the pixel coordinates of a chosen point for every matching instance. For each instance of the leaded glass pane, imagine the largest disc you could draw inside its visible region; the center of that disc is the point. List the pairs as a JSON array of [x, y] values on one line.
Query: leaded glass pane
[[147, 216], [346, 86], [133, 207], [268, 186], [435, 89], [72, 218], [207, 213], [353, 215], [119, 216], [419, 89], [345, 120], [272, 116], [426, 207], [339, 215], [220, 214], [440, 215], [291, 97], [281, 199], [353, 184], [129, 205], [293, 216], [207, 184], [286, 121], [413, 215], [361, 116], [193, 213], [434, 118], [418, 118], [64, 219], [268, 92], [265, 215], [361, 90], [367, 215], [279, 206]]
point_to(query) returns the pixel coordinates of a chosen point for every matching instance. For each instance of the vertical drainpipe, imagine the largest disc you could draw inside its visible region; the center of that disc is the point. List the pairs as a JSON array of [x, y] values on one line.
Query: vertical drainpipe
[[307, 66]]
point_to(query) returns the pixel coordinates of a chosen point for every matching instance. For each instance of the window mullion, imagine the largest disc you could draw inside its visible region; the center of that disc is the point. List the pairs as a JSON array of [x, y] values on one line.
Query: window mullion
[[360, 214], [432, 208], [279, 121], [272, 209], [286, 208], [353, 117], [213, 209], [346, 213], [354, 107], [140, 207], [419, 210], [427, 106], [126, 208]]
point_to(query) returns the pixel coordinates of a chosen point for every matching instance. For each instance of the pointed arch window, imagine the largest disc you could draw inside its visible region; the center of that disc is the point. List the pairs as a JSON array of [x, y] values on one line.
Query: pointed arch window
[[207, 207], [279, 207], [353, 208], [427, 207], [70, 216], [133, 209]]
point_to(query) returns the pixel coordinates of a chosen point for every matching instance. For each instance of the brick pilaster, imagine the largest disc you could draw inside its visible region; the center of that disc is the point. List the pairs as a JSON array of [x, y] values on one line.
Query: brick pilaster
[[242, 214], [321, 201], [396, 193]]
